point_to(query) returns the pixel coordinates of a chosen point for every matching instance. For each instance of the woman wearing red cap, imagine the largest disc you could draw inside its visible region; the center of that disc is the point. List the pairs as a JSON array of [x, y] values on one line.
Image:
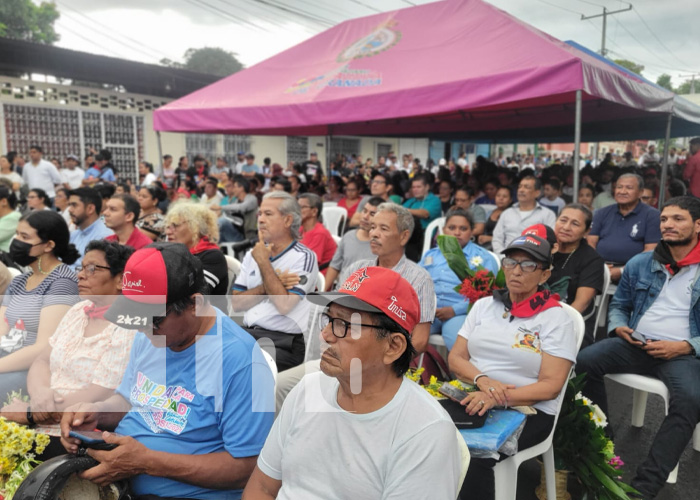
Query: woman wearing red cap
[[517, 347]]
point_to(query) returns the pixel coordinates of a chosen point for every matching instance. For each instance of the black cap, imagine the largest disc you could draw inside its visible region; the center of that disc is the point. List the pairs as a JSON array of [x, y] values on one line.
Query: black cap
[[532, 245]]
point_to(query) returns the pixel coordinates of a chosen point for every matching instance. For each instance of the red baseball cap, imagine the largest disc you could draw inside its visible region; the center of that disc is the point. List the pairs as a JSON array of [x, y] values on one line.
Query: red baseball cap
[[543, 231], [154, 276], [376, 290]]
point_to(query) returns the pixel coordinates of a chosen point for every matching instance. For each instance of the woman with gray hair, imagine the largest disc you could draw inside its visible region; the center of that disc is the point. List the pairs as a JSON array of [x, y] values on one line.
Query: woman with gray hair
[[195, 226], [313, 233]]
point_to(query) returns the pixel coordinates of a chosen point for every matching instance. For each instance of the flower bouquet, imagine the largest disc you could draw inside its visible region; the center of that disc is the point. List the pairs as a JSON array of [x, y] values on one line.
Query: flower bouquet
[[581, 446], [434, 384], [476, 280], [19, 446]]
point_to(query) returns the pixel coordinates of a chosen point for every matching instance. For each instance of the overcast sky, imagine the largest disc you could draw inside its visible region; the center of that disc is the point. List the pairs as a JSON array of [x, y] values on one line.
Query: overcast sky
[[660, 35]]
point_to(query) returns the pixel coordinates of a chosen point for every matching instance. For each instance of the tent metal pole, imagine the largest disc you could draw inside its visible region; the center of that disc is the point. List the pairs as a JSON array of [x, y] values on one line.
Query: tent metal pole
[[160, 155], [577, 145], [328, 155], [664, 165]]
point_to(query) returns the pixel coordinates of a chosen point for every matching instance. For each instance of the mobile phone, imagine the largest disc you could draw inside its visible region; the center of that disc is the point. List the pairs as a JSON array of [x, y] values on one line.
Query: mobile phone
[[452, 392], [92, 439], [639, 337]]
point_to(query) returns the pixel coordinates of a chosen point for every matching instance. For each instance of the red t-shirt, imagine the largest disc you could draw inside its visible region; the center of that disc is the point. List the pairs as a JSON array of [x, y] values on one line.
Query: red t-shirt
[[137, 240], [351, 210], [321, 242]]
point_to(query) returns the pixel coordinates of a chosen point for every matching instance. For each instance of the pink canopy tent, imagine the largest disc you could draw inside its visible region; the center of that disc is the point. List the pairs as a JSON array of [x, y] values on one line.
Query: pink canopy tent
[[455, 68]]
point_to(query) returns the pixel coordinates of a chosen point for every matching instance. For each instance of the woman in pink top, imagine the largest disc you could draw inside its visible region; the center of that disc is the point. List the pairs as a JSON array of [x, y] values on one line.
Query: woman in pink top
[[86, 356], [352, 198]]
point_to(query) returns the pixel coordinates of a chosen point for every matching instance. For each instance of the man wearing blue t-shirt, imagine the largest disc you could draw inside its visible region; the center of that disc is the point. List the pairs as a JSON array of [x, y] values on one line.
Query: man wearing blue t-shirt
[[194, 407]]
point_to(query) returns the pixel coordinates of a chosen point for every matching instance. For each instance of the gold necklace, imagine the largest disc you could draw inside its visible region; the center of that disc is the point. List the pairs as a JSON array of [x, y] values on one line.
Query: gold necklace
[[45, 273]]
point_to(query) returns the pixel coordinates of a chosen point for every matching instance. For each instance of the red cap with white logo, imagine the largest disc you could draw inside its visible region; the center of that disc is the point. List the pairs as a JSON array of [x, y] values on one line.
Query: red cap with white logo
[[154, 276], [377, 290]]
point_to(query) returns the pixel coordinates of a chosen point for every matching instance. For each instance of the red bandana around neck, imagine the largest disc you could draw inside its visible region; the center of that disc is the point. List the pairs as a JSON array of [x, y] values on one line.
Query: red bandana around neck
[[202, 245], [692, 258], [540, 301], [95, 312]]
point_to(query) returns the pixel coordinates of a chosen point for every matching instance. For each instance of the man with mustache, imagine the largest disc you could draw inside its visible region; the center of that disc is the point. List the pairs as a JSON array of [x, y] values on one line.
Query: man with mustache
[[360, 415], [658, 298]]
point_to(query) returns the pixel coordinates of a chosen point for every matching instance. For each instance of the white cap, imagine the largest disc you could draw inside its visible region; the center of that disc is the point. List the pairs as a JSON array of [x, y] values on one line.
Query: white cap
[[442, 162]]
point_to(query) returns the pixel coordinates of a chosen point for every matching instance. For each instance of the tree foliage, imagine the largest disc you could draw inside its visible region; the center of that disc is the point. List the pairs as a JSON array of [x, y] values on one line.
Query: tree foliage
[[632, 66], [664, 80], [211, 60], [24, 20]]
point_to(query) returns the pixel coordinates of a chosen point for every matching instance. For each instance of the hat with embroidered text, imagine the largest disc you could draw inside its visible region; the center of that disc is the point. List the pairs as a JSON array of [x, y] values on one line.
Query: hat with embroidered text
[[532, 245], [543, 231], [376, 290], [154, 276]]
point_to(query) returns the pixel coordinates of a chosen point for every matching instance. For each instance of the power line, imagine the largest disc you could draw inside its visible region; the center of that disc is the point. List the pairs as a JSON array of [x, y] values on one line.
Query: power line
[[298, 12], [592, 3], [409, 3], [559, 7], [657, 38], [216, 10], [366, 6], [93, 42]]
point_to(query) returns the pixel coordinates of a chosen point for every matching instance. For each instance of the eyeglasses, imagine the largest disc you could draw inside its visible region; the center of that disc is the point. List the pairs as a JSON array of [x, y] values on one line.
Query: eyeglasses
[[339, 326], [157, 320], [378, 182], [90, 269], [528, 266], [172, 226]]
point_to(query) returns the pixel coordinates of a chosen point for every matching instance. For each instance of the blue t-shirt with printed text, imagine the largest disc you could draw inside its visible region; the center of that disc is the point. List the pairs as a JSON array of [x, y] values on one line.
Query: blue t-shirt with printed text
[[216, 395]]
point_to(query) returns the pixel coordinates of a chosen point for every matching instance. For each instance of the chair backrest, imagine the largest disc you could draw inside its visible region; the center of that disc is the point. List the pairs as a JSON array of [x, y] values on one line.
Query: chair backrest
[[234, 269], [434, 226], [334, 219], [14, 272], [271, 363], [466, 457], [336, 238], [488, 208], [579, 324], [495, 256], [320, 282], [329, 204], [601, 300]]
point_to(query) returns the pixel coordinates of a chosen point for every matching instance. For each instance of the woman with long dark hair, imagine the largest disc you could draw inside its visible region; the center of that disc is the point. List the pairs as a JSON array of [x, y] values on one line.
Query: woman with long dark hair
[[37, 300]]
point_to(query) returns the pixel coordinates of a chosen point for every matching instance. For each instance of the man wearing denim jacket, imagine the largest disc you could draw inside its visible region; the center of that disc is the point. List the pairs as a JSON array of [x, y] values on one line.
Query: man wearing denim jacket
[[658, 298]]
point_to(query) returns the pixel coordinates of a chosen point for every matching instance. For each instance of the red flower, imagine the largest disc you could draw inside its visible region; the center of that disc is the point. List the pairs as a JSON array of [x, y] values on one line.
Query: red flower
[[478, 286]]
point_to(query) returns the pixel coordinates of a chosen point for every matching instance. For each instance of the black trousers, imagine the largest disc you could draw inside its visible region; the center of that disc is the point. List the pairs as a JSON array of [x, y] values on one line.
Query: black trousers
[[289, 348], [479, 483]]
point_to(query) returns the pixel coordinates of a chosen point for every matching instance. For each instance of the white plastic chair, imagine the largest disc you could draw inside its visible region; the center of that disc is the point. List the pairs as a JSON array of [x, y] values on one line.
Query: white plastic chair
[[495, 256], [329, 204], [271, 363], [488, 208], [600, 301], [643, 385], [336, 238], [434, 226], [320, 282], [334, 219], [506, 471], [234, 269], [14, 272]]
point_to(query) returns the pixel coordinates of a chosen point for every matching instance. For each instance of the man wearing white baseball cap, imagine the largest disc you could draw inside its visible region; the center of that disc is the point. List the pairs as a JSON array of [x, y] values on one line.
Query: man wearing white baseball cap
[[380, 434]]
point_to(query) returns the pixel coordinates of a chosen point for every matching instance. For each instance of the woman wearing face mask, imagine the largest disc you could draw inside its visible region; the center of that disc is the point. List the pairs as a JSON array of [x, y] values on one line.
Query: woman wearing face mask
[[36, 300]]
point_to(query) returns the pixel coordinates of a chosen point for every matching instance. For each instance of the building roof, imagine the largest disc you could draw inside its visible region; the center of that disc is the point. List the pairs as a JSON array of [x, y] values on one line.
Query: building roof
[[19, 57]]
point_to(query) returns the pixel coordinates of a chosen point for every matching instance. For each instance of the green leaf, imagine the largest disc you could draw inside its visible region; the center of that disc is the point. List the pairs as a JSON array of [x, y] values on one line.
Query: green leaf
[[606, 481], [501, 279], [452, 251]]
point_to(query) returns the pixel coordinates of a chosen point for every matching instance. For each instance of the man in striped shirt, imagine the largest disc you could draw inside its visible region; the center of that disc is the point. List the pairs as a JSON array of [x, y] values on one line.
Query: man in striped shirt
[[275, 277]]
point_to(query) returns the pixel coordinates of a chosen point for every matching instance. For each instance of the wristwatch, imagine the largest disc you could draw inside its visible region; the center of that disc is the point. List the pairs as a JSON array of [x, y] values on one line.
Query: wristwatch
[[30, 417]]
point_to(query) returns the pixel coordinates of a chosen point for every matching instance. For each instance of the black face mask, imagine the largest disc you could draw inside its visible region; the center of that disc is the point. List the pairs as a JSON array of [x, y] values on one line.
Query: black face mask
[[19, 252]]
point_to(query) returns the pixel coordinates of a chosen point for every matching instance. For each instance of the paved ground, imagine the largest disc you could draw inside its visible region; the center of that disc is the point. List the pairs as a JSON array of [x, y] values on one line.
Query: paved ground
[[632, 445]]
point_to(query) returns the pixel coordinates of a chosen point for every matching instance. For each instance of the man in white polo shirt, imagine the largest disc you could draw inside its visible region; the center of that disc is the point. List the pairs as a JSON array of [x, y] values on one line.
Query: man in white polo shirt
[[655, 318], [275, 277]]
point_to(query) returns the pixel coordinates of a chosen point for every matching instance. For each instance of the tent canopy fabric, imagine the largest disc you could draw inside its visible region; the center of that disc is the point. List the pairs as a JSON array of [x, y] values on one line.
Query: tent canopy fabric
[[455, 68]]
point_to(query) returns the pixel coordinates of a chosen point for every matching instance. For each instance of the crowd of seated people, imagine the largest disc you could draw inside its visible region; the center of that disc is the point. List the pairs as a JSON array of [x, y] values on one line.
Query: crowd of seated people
[[89, 253]]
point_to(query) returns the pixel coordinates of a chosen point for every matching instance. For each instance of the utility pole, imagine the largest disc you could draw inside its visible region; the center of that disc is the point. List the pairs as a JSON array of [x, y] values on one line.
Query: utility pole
[[604, 15], [692, 82]]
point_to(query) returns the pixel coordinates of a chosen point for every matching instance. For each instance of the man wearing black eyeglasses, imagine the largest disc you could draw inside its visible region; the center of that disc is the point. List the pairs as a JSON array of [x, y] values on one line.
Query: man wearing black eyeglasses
[[360, 420]]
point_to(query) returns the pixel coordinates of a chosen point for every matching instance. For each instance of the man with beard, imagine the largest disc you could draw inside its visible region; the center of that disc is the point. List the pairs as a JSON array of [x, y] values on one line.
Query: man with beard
[[655, 319], [360, 415], [84, 207]]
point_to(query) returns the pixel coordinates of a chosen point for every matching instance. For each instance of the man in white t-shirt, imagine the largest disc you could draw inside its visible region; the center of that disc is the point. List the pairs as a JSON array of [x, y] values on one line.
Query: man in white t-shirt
[[72, 175], [655, 319], [39, 173], [360, 415]]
